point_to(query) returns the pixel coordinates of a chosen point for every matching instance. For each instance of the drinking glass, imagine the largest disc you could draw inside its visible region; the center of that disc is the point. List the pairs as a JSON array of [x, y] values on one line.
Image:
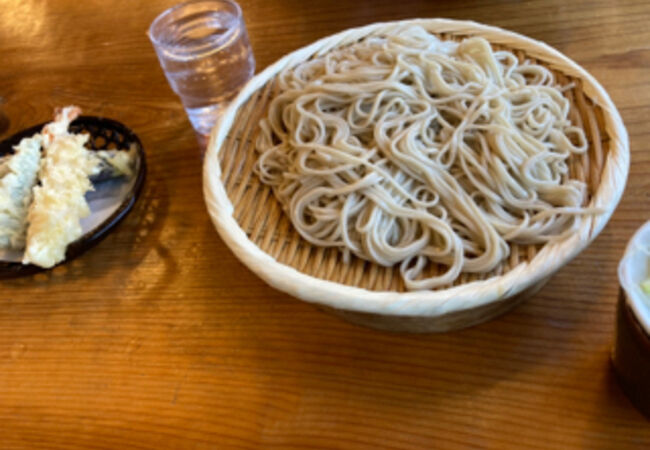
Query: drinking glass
[[204, 51]]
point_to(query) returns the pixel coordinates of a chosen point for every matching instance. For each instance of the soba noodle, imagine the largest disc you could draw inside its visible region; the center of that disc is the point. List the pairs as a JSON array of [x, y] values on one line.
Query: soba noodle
[[409, 149]]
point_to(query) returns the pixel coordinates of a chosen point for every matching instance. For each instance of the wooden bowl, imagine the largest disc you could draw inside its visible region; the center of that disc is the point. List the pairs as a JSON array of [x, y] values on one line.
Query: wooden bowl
[[631, 351], [251, 221]]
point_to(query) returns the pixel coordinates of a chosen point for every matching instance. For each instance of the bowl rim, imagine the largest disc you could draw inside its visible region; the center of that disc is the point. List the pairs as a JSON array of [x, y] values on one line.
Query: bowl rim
[[637, 246], [551, 257]]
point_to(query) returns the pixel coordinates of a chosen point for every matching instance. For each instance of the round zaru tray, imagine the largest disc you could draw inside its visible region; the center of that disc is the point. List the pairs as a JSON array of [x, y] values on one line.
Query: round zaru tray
[[251, 221]]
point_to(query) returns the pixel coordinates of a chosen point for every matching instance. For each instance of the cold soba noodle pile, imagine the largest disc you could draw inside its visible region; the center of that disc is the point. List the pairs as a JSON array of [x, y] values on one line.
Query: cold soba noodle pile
[[412, 150]]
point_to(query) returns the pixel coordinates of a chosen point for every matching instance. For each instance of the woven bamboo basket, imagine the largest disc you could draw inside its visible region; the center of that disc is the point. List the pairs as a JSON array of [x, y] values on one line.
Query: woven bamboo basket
[[251, 221]]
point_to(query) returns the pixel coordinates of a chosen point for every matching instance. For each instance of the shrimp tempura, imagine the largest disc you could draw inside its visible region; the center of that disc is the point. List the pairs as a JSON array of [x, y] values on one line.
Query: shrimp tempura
[[59, 202]]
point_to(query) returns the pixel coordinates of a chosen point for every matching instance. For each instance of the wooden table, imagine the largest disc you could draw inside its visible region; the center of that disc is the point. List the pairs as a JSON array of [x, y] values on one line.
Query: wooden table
[[159, 337]]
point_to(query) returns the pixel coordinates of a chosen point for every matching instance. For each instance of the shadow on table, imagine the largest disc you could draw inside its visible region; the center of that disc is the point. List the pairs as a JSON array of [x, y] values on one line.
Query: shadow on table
[[631, 427]]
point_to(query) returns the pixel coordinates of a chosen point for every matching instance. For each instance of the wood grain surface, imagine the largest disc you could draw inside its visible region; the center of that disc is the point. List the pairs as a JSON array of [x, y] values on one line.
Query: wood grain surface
[[159, 338]]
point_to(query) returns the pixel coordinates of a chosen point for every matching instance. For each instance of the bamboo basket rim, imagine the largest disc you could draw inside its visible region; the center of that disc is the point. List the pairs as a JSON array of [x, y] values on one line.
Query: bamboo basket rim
[[430, 303]]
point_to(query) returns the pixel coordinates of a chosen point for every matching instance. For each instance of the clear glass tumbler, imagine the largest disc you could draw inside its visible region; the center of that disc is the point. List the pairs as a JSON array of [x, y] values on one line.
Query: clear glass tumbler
[[204, 51]]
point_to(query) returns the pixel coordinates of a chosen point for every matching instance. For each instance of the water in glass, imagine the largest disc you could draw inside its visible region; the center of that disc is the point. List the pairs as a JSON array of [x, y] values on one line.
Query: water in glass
[[204, 51]]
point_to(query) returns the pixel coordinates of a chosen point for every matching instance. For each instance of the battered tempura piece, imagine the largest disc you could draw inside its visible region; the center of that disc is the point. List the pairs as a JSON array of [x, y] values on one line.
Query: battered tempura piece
[[18, 174], [113, 163], [59, 203]]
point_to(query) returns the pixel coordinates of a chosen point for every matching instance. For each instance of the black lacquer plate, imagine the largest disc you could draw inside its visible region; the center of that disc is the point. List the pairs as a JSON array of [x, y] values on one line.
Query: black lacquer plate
[[104, 134]]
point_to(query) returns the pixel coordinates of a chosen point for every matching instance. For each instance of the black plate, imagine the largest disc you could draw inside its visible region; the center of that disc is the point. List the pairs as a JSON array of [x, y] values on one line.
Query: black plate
[[104, 133]]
